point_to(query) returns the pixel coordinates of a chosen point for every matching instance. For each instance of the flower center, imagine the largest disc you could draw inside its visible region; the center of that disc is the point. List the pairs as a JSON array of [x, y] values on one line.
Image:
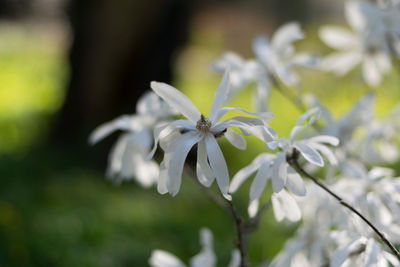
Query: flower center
[[204, 124]]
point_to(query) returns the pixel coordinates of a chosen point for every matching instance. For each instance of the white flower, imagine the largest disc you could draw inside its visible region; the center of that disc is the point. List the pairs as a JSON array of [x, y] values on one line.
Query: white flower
[[276, 168], [362, 251], [310, 148], [273, 62], [178, 137], [367, 45], [128, 156], [206, 257]]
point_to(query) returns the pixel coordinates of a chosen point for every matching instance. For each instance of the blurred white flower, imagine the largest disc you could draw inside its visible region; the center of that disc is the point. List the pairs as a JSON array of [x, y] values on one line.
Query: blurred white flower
[[127, 159], [361, 251], [206, 257], [273, 62], [177, 138], [366, 45]]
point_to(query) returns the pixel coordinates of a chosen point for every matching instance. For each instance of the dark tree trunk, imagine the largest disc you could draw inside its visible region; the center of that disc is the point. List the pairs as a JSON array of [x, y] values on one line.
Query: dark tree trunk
[[118, 47]]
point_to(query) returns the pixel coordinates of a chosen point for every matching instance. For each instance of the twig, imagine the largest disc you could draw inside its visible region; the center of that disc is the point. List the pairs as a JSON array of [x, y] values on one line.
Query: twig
[[252, 224], [241, 235], [292, 160], [210, 194]]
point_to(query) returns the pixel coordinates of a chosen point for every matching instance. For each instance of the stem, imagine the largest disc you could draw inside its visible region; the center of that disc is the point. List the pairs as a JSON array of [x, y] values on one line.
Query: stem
[[210, 194], [295, 164], [241, 236]]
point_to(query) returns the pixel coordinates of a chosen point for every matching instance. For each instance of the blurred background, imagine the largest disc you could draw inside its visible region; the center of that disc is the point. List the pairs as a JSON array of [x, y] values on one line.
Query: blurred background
[[67, 66]]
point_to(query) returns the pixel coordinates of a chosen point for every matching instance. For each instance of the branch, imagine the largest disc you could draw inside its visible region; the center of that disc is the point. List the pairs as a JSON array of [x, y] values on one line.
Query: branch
[[210, 194], [241, 235], [292, 160]]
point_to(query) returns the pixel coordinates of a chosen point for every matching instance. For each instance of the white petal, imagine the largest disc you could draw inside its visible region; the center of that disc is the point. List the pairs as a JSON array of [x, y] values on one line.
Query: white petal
[[338, 38], [261, 94], [244, 173], [324, 150], [252, 209], [305, 60], [217, 163], [327, 139], [342, 253], [176, 100], [221, 112], [285, 36], [116, 155], [121, 123], [220, 97], [181, 149], [204, 173], [262, 48], [279, 172], [309, 154], [235, 259], [295, 183], [235, 139], [160, 258], [311, 115], [259, 182], [341, 62], [206, 257], [284, 205], [163, 177], [371, 72], [164, 131]]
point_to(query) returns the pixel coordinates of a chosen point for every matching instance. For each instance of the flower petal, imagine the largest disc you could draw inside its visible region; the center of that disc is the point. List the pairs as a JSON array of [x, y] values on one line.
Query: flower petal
[[284, 205], [220, 97], [309, 154], [252, 209], [341, 62], [339, 38], [295, 183], [285, 36], [279, 172], [259, 182], [371, 72], [244, 173], [177, 100], [204, 173], [217, 163], [235, 139], [182, 146], [235, 258], [327, 139], [121, 123], [160, 258]]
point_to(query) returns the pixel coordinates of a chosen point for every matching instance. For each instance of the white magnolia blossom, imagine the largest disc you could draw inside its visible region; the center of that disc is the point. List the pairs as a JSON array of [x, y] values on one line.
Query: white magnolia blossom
[[379, 144], [206, 257], [284, 205], [177, 138], [347, 127], [361, 251], [366, 45], [274, 61], [127, 159], [276, 168]]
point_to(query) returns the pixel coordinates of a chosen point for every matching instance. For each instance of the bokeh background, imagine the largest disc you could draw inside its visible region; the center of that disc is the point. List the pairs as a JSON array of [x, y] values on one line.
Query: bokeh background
[[68, 65]]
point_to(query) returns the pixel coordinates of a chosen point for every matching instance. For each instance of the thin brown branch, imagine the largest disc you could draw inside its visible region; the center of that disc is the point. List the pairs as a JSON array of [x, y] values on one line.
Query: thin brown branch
[[209, 194], [242, 237], [292, 160]]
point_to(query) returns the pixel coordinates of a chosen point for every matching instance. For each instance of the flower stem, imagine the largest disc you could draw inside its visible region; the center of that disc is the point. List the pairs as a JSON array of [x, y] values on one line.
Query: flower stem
[[295, 164]]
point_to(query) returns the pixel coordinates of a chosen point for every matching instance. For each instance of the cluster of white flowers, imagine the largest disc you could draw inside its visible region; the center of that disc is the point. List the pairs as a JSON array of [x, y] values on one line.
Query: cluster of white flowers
[[351, 144], [206, 257]]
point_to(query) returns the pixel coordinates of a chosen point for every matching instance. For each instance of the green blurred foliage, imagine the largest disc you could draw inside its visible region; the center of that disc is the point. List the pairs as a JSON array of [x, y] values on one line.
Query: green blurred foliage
[[32, 80]]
